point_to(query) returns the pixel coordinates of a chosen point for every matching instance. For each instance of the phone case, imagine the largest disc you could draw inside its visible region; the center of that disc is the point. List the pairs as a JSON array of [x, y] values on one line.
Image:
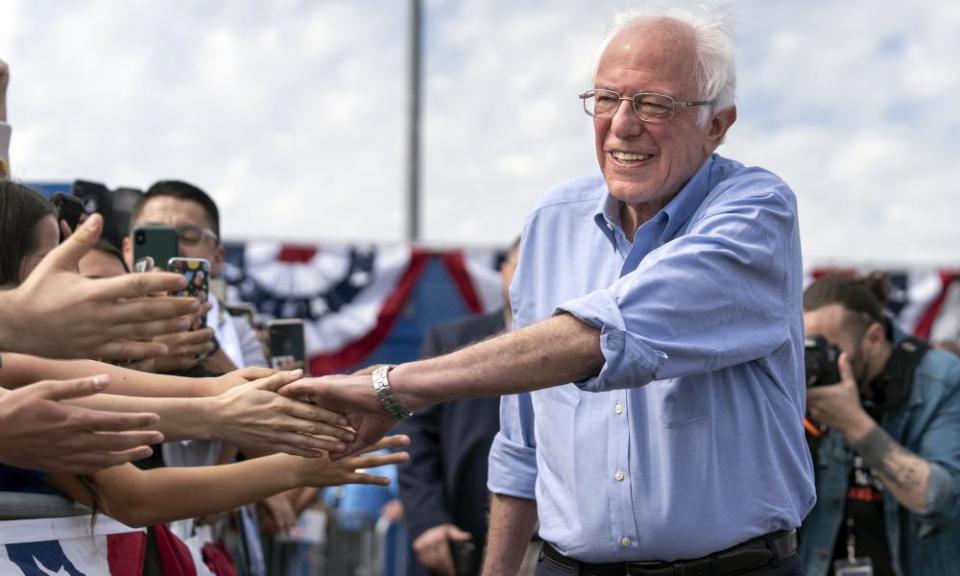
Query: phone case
[[197, 273], [157, 242]]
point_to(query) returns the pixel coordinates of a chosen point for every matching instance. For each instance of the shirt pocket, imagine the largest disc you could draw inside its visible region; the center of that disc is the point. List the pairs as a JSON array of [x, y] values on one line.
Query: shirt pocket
[[679, 402]]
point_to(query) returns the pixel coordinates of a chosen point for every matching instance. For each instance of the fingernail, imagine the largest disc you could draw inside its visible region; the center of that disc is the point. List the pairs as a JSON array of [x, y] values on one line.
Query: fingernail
[[183, 324], [295, 373], [93, 223], [343, 422], [100, 381]]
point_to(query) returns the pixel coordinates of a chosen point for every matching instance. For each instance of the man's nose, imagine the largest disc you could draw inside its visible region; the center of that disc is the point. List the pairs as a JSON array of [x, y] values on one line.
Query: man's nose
[[625, 122]]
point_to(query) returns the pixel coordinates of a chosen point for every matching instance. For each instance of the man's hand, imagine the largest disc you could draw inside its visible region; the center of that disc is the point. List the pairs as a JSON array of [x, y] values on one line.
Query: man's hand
[[277, 515], [254, 416], [433, 548], [837, 406], [59, 314], [39, 432], [354, 397]]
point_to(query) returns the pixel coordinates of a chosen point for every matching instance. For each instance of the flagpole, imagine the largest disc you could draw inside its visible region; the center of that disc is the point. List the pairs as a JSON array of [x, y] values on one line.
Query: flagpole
[[413, 143]]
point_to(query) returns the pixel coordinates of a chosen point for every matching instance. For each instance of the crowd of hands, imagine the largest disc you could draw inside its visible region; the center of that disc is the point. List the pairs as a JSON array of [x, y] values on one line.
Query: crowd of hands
[[57, 316]]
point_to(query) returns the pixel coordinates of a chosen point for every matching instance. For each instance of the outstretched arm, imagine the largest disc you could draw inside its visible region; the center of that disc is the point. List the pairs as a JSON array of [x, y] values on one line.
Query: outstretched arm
[[555, 351], [144, 497], [252, 416]]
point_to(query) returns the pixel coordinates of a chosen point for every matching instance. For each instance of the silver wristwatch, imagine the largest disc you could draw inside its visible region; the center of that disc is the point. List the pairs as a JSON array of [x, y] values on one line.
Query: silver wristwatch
[[391, 405]]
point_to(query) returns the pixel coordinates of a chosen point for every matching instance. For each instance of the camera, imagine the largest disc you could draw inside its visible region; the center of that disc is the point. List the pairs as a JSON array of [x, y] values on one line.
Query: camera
[[140, 237], [820, 359]]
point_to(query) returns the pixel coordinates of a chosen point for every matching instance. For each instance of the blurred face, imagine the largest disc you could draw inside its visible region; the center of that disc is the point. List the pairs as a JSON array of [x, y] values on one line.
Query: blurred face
[[646, 164], [167, 211], [46, 237], [97, 264], [507, 269], [833, 322]]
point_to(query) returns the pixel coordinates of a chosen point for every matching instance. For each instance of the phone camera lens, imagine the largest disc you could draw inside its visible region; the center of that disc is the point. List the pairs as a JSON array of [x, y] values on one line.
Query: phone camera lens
[[141, 237]]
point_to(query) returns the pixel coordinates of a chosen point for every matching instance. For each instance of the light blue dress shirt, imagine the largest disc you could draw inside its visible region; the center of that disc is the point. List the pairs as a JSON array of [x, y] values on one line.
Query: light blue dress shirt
[[690, 439]]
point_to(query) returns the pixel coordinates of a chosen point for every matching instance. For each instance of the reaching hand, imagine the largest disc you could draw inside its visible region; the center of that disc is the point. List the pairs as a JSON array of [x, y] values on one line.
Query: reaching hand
[[324, 472], [184, 350], [354, 397], [59, 314], [41, 433], [254, 416]]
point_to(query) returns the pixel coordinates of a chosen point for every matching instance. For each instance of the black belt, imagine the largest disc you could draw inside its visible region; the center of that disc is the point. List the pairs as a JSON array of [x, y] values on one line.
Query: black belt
[[753, 554]]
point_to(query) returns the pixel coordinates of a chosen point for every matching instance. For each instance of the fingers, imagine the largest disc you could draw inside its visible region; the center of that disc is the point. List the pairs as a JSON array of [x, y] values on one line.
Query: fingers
[[67, 255], [357, 462], [305, 445], [90, 462], [140, 285], [116, 441], [846, 372], [299, 388], [254, 372], [122, 350], [137, 310], [67, 389], [279, 380], [364, 478], [65, 231], [313, 413], [390, 442], [455, 533]]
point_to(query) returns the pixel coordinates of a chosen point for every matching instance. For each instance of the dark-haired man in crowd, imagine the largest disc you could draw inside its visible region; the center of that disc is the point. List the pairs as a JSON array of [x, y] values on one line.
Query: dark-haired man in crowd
[[197, 219], [888, 469]]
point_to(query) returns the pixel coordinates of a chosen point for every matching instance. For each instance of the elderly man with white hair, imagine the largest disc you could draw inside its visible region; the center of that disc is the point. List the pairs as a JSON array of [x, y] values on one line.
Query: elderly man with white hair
[[656, 356]]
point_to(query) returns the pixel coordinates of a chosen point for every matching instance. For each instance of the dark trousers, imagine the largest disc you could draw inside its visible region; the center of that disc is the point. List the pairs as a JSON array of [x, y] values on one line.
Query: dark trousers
[[792, 566]]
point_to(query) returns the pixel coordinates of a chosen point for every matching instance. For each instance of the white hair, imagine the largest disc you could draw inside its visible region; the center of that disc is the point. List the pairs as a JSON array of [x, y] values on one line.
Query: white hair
[[712, 24]]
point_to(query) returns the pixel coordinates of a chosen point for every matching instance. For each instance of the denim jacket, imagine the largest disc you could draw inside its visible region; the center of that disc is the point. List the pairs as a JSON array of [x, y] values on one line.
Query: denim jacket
[[927, 423]]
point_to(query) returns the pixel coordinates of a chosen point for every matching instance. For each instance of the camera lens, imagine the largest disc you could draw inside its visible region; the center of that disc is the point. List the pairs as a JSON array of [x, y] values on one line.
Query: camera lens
[[140, 237]]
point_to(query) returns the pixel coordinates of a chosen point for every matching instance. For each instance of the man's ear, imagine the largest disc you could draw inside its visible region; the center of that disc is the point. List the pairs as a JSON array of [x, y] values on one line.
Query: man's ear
[[875, 334], [720, 123]]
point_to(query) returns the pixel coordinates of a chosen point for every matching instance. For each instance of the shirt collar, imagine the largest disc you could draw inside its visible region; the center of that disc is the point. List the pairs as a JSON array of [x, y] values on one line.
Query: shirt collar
[[676, 213]]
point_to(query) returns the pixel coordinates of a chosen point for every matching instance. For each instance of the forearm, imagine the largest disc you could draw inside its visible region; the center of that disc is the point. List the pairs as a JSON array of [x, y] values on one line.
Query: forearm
[[180, 418], [21, 369], [145, 497], [903, 473], [558, 350], [512, 522]]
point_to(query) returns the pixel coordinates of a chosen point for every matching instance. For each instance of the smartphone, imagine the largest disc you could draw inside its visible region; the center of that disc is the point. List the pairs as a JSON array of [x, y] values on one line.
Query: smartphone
[[157, 242], [286, 343], [69, 208], [197, 273]]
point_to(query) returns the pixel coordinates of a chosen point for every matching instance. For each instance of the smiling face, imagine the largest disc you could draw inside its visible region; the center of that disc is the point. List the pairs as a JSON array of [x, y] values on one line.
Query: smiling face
[[646, 164]]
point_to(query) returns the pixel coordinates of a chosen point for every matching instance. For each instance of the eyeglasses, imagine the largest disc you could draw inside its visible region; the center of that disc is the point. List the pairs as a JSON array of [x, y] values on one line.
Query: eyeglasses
[[191, 234], [648, 106]]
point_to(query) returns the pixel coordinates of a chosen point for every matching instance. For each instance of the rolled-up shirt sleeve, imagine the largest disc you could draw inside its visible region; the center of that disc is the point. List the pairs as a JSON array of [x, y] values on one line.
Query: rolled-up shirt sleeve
[[706, 300], [513, 455]]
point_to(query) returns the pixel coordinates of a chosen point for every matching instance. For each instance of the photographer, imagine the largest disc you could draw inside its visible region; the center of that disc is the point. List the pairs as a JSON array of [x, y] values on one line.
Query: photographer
[[888, 460]]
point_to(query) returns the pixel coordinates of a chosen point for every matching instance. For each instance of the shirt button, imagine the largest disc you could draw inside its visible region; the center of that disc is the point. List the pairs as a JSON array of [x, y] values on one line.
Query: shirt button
[[618, 408], [624, 541], [618, 475]]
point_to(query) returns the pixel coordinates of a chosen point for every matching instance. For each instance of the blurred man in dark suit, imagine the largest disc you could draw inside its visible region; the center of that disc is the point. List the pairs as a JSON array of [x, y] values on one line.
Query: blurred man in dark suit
[[444, 486]]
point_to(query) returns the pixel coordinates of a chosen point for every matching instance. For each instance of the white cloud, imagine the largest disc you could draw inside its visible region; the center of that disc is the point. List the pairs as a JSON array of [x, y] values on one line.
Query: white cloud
[[292, 113]]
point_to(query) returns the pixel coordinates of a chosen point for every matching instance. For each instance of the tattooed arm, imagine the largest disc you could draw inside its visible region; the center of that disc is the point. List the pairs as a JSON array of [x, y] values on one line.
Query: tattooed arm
[[903, 473]]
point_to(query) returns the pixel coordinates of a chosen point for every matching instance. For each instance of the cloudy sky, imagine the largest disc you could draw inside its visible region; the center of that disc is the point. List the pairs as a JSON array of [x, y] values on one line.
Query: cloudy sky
[[292, 113]]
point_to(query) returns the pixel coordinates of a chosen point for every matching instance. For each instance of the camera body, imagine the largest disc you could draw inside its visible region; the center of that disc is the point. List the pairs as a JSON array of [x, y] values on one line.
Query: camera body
[[820, 359]]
